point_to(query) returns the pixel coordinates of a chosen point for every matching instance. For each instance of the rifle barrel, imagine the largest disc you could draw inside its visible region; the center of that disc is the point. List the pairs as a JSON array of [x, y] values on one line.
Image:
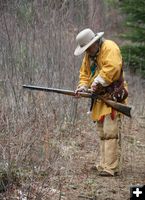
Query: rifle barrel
[[59, 91]]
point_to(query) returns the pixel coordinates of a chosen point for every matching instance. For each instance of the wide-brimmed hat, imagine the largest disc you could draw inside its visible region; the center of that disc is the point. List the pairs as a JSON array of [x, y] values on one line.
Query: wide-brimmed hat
[[85, 39]]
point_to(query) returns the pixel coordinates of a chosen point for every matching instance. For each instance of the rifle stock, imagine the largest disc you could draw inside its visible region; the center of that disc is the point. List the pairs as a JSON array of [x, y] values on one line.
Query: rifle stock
[[124, 109]]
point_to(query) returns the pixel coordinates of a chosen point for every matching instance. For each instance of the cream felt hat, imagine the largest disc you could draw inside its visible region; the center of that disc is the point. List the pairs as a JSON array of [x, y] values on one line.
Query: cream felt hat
[[85, 39]]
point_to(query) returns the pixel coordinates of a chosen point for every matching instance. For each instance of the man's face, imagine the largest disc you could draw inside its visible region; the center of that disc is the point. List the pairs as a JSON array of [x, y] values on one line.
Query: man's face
[[93, 49]]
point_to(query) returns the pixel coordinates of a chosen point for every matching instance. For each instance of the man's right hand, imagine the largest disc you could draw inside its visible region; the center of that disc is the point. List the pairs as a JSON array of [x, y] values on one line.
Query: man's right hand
[[80, 89]]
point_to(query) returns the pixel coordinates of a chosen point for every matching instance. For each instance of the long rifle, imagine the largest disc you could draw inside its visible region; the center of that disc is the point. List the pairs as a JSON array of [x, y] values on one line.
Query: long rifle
[[126, 110]]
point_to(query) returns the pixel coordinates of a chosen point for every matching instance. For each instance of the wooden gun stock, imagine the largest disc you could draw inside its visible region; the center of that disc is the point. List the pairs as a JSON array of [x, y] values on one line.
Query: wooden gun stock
[[122, 108]]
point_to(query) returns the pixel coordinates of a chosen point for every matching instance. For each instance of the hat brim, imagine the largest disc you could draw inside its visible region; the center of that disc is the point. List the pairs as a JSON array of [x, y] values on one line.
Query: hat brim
[[79, 50]]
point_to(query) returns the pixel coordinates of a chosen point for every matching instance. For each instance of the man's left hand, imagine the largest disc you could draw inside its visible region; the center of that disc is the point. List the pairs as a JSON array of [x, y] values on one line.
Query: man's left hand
[[94, 87], [97, 87]]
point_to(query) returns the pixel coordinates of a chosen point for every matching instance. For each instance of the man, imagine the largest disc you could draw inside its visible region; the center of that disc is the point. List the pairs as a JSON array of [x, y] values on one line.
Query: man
[[102, 72]]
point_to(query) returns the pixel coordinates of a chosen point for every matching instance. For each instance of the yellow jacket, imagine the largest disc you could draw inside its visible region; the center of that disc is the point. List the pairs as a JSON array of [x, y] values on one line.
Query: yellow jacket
[[109, 65]]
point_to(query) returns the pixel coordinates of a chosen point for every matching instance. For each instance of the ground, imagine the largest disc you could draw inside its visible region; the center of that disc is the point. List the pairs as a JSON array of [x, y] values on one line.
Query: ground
[[78, 146], [83, 152]]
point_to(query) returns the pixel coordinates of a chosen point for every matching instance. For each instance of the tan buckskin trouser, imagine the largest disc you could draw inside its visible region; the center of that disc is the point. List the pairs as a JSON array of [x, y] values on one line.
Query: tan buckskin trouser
[[110, 144]]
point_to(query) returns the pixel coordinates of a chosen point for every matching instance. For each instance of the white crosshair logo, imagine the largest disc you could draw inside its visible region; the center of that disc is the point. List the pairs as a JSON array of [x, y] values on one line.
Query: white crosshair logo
[[137, 192]]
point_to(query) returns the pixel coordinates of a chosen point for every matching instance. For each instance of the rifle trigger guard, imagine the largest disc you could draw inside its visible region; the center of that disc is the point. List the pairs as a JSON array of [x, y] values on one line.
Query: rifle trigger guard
[[94, 96]]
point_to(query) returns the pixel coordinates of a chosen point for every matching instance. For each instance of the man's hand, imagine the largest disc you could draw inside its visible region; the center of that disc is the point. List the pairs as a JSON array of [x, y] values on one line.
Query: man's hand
[[97, 87], [80, 89], [94, 87]]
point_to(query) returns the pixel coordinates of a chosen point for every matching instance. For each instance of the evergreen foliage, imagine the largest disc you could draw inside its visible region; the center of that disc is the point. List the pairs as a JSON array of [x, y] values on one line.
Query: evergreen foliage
[[134, 51]]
